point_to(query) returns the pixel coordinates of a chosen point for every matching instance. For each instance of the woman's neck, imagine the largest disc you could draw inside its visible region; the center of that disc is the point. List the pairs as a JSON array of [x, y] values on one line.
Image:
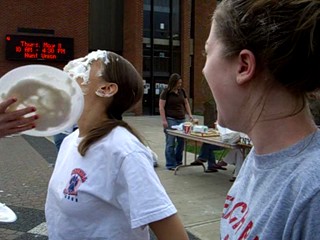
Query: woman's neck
[[175, 90], [273, 135], [90, 118]]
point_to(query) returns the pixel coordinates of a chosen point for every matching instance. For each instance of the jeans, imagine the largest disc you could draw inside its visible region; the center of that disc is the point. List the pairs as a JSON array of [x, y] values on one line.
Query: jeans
[[174, 145], [58, 138], [207, 154], [234, 157]]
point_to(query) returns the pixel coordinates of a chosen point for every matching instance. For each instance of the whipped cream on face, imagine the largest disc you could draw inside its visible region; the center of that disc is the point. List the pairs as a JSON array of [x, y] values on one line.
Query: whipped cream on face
[[80, 67]]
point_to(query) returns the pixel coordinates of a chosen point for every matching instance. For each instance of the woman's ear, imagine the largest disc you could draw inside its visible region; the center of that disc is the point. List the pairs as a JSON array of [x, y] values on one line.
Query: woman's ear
[[246, 66], [107, 90]]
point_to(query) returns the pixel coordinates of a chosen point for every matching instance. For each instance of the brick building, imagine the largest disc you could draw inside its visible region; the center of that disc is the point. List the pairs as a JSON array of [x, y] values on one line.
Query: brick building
[[158, 36]]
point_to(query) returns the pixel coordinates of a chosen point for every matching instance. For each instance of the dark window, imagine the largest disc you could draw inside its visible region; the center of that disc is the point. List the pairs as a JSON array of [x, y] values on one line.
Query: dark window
[[161, 47], [106, 25]]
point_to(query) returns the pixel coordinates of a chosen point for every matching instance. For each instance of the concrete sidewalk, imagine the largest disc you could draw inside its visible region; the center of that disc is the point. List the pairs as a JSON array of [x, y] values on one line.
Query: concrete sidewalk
[[198, 196], [26, 167]]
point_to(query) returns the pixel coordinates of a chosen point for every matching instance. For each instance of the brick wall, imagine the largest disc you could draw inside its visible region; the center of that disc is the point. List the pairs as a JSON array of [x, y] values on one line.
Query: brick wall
[[132, 38], [66, 18], [70, 19], [203, 13], [185, 43]]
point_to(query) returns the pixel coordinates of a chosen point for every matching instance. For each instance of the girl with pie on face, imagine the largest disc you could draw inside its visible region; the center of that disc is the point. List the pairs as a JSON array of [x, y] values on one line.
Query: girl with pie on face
[[104, 185]]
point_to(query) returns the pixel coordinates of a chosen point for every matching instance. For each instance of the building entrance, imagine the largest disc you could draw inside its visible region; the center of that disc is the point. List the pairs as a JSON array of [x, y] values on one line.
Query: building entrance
[[161, 49]]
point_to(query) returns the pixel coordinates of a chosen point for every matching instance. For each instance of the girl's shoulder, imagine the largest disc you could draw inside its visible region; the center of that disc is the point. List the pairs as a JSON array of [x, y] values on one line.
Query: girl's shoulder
[[120, 139]]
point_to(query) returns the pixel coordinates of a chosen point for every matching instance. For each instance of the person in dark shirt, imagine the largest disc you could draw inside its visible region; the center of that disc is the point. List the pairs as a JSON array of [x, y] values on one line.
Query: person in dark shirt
[[173, 106]]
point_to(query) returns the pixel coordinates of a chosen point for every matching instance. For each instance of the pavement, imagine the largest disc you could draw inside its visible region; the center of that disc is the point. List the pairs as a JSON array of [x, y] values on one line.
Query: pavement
[[26, 164]]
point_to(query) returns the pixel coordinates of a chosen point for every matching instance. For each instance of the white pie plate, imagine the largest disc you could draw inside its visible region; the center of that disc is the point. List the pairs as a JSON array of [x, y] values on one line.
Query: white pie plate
[[58, 98]]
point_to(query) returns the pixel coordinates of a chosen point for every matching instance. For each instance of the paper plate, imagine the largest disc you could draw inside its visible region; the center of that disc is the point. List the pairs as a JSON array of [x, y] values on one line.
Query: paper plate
[[6, 214], [58, 98]]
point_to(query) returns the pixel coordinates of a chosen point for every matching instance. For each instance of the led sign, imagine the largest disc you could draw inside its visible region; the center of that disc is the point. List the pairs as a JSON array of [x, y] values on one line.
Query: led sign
[[38, 48]]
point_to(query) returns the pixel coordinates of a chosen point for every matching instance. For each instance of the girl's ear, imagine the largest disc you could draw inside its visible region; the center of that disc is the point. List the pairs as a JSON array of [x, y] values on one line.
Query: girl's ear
[[107, 90], [246, 66]]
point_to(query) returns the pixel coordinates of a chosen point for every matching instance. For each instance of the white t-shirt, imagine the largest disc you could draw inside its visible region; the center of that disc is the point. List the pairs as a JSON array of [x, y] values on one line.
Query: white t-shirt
[[111, 193]]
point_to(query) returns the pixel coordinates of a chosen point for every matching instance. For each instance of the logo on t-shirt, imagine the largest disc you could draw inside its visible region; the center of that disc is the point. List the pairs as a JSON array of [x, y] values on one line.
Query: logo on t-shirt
[[235, 214], [78, 176]]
